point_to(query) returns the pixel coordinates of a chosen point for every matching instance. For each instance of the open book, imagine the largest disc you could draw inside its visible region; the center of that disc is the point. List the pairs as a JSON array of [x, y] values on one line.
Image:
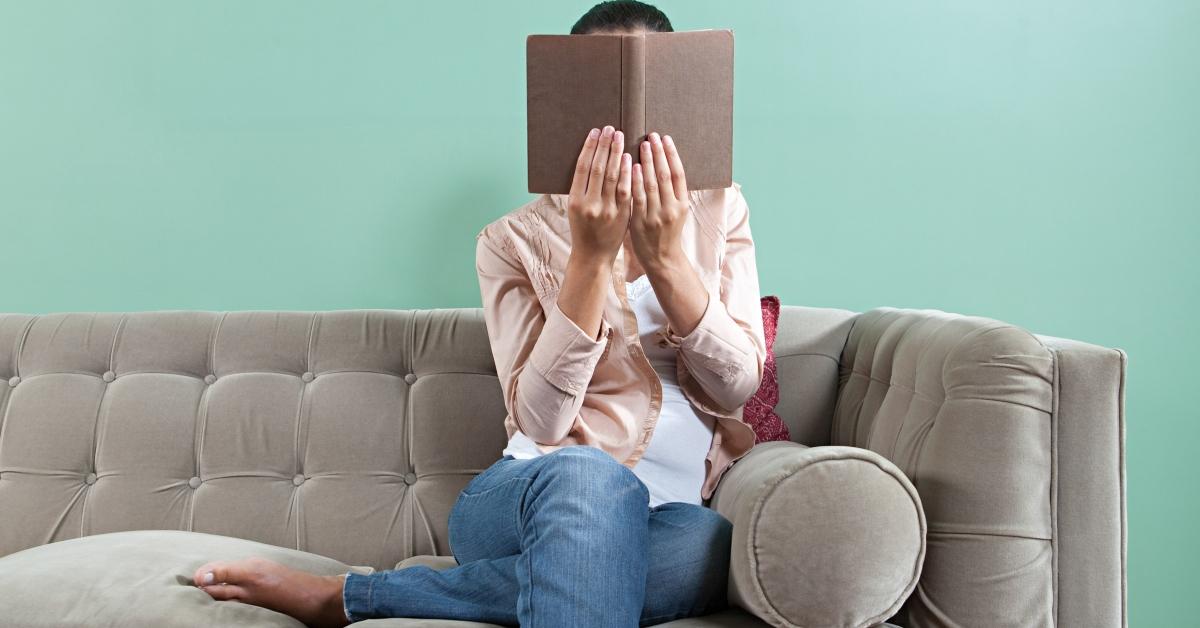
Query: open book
[[678, 84]]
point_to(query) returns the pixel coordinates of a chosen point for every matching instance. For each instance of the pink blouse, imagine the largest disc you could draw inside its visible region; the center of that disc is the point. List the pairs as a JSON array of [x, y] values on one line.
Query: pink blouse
[[562, 387]]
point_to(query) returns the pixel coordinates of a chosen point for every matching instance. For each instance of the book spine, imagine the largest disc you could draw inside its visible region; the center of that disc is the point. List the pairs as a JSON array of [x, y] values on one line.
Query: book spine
[[633, 92]]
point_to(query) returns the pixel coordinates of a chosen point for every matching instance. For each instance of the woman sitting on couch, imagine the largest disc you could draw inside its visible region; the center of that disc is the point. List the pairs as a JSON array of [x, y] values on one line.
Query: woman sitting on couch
[[622, 408]]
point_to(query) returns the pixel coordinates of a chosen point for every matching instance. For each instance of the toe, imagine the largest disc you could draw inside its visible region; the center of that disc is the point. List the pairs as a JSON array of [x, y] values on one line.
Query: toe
[[206, 574], [225, 592], [226, 572]]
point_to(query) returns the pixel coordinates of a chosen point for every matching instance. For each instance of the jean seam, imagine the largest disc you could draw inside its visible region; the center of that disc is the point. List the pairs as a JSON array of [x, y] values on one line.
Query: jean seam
[[527, 557], [346, 598], [371, 593], [489, 489]]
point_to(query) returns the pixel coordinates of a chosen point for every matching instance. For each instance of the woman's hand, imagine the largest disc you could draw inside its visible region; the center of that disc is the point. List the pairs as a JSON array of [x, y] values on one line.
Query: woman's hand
[[660, 209], [598, 204], [598, 210], [660, 204]]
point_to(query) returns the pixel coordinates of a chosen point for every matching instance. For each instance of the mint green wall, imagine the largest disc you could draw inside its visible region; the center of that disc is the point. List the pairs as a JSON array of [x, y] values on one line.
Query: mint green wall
[[1036, 162]]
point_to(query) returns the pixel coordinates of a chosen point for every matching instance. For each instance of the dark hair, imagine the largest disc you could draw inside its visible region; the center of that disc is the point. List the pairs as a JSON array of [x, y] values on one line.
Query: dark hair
[[620, 15]]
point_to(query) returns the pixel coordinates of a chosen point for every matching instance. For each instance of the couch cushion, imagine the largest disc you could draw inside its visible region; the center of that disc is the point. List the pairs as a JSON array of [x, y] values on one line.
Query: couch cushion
[[808, 345], [733, 618], [822, 536], [143, 578]]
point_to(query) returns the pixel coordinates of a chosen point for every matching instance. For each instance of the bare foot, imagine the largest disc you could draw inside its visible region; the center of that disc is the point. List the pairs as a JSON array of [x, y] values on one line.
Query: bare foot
[[314, 600]]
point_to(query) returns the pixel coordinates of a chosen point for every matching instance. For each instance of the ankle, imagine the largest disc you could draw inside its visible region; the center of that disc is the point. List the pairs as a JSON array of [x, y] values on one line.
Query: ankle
[[333, 609]]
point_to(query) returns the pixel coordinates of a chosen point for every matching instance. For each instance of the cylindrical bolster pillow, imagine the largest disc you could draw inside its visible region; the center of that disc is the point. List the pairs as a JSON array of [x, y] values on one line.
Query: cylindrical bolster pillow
[[822, 536]]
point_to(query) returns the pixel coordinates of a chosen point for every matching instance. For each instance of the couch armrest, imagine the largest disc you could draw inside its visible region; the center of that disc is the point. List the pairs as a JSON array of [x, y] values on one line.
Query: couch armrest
[[1088, 489], [822, 536], [1015, 443]]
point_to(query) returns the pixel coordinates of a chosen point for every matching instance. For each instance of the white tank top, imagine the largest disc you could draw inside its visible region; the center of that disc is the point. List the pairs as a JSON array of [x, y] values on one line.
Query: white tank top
[[672, 466]]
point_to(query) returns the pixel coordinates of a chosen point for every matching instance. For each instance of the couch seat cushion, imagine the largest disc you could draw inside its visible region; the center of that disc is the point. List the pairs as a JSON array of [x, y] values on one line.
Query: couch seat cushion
[[141, 578], [732, 618]]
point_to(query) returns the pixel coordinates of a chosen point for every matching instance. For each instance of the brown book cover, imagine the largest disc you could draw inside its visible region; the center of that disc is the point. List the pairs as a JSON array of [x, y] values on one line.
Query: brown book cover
[[676, 83]]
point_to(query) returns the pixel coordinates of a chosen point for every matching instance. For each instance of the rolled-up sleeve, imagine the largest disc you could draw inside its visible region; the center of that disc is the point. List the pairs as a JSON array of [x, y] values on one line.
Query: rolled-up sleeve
[[726, 351], [543, 400]]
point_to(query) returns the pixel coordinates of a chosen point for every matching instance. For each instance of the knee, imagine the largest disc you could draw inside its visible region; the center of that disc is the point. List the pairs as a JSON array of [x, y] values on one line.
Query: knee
[[690, 556], [586, 469], [719, 531], [715, 521], [709, 527], [700, 533]]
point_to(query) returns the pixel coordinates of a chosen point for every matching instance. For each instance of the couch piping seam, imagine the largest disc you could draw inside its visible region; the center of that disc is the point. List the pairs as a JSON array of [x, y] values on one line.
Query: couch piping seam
[[1056, 392]]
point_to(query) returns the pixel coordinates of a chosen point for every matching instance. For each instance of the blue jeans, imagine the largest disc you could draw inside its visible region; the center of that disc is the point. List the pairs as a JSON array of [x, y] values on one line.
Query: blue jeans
[[564, 539]]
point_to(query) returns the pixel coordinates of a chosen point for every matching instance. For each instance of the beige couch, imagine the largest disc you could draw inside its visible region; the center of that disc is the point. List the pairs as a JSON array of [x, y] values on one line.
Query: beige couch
[[341, 439]]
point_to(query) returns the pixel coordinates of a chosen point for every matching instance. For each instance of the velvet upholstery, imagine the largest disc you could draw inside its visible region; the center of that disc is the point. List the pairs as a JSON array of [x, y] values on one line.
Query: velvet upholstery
[[347, 435]]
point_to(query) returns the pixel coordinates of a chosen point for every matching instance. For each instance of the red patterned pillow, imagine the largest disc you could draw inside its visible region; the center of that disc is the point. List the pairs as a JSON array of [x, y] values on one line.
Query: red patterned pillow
[[759, 411]]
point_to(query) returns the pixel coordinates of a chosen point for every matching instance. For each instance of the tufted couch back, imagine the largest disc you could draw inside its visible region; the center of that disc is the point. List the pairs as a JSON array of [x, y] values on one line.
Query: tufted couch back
[[347, 434], [344, 433]]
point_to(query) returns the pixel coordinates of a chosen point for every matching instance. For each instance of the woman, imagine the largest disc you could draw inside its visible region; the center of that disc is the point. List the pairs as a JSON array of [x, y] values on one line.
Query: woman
[[586, 520]]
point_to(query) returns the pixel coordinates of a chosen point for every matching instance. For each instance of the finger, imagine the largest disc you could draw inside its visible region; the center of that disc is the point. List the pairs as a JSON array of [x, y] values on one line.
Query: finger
[[639, 192], [662, 170], [649, 182], [584, 163], [678, 180], [225, 591], [599, 163], [623, 181], [612, 171]]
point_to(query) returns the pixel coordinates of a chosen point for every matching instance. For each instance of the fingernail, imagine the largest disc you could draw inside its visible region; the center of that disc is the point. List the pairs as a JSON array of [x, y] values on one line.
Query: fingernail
[[667, 139], [645, 145], [654, 137], [608, 128], [618, 136], [208, 578], [593, 132]]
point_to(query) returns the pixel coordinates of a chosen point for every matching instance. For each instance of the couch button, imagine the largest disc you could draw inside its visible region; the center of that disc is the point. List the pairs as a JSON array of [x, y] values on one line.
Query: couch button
[[410, 378], [210, 379], [298, 480], [410, 478], [194, 483], [14, 380], [109, 376], [308, 376], [90, 479]]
